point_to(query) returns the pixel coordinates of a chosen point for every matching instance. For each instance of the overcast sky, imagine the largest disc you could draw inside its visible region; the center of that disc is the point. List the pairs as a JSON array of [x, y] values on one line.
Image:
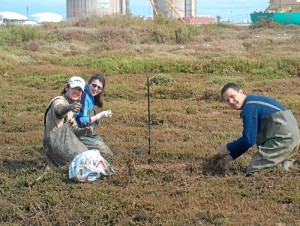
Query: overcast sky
[[229, 10]]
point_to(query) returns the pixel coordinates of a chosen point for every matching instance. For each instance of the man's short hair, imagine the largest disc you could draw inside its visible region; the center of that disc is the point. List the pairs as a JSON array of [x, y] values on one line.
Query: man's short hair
[[231, 85]]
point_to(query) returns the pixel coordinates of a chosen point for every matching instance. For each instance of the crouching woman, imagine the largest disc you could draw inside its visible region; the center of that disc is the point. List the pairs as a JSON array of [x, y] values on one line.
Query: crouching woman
[[93, 96], [60, 142]]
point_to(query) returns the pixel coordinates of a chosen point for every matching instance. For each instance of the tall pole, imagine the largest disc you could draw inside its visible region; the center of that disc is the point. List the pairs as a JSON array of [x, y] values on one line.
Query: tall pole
[[175, 10], [149, 122], [154, 8]]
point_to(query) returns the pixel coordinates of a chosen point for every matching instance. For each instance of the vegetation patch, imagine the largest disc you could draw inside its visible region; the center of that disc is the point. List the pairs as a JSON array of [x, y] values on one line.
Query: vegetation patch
[[167, 172]]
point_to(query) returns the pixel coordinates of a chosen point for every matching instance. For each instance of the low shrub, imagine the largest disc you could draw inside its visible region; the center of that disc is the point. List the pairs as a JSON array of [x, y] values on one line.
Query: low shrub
[[124, 91], [14, 35], [265, 24], [161, 79], [183, 35], [159, 36]]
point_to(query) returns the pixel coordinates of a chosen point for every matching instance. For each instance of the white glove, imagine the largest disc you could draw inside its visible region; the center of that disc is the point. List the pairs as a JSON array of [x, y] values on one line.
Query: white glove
[[104, 114]]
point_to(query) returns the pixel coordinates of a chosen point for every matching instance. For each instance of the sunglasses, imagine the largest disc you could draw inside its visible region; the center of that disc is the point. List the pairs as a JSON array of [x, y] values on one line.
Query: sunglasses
[[98, 87]]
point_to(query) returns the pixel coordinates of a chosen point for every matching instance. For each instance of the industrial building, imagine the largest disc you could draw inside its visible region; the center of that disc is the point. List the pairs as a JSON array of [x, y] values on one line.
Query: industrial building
[[168, 8], [46, 17], [35, 19], [186, 10], [87, 8], [12, 17], [283, 6], [175, 8]]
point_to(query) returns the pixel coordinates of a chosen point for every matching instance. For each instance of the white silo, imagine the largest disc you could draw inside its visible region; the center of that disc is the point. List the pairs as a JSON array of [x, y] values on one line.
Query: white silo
[[12, 16], [46, 17], [87, 8], [176, 8]]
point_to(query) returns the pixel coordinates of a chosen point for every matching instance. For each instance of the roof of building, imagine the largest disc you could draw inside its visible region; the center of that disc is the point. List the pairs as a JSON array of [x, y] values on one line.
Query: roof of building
[[46, 17], [13, 16]]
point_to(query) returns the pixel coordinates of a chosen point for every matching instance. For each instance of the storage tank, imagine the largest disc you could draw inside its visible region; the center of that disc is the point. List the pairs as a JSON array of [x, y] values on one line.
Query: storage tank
[[176, 8], [284, 5], [46, 17], [87, 8]]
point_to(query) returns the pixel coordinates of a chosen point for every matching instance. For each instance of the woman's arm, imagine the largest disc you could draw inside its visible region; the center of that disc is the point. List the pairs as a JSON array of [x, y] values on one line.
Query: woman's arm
[[81, 117]]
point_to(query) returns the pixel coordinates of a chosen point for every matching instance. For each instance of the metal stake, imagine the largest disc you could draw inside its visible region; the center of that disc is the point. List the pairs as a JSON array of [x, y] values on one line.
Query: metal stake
[[149, 120]]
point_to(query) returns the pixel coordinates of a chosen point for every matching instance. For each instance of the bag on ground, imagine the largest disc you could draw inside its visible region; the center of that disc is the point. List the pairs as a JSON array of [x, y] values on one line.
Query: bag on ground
[[89, 166]]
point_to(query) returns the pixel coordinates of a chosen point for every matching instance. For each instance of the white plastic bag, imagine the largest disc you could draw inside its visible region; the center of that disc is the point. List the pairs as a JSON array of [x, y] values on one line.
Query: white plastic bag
[[89, 166]]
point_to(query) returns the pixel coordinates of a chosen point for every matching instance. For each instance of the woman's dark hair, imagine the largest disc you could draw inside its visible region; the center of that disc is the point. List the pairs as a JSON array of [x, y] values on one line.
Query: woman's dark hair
[[64, 90], [99, 97]]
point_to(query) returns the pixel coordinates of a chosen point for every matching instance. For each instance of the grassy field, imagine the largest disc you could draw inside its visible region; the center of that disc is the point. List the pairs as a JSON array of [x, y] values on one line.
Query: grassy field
[[178, 183]]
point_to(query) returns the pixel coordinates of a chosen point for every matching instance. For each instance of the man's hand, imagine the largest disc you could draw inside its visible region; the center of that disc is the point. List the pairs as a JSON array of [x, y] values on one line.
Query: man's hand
[[227, 159], [221, 164], [104, 114], [223, 151]]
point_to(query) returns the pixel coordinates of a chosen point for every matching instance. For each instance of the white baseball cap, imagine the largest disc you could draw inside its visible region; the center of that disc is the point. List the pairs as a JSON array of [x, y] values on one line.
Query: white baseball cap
[[76, 81]]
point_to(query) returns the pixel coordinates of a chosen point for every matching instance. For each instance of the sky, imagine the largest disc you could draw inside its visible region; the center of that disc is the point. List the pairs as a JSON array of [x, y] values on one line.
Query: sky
[[229, 10]]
